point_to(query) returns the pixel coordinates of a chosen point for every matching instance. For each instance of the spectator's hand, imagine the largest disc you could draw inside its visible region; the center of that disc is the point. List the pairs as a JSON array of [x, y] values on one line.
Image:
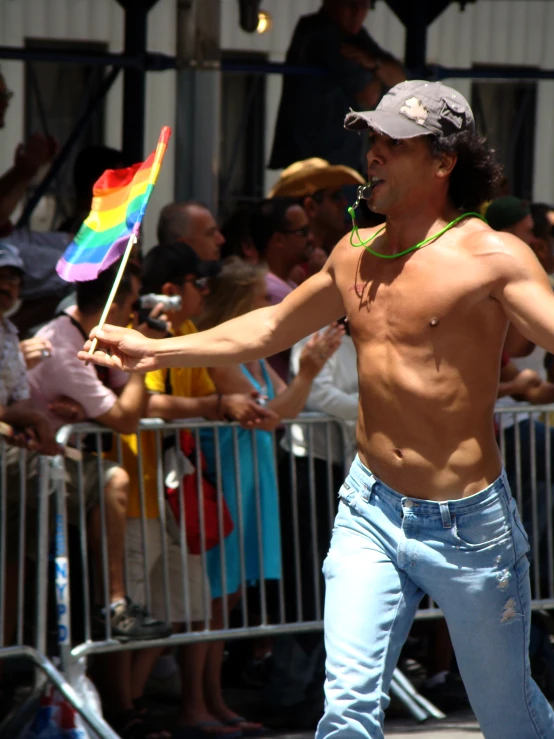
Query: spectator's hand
[[37, 151], [35, 350], [318, 349], [525, 381], [39, 437], [121, 348], [247, 411], [67, 409], [157, 313]]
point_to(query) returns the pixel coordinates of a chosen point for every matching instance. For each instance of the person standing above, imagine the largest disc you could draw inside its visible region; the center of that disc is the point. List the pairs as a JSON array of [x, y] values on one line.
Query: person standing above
[[426, 507], [355, 73], [29, 158], [191, 222]]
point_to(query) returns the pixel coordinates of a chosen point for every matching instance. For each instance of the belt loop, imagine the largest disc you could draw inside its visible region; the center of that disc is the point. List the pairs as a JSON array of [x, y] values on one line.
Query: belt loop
[[445, 515]]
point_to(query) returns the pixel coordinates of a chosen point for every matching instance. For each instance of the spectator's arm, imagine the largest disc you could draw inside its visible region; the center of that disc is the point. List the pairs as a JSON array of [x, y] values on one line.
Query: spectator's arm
[[172, 407], [128, 408], [325, 397], [517, 383], [35, 425], [29, 158], [291, 399]]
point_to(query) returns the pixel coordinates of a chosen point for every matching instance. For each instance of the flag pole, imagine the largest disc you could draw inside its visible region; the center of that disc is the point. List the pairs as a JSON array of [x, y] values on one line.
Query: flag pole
[[132, 241]]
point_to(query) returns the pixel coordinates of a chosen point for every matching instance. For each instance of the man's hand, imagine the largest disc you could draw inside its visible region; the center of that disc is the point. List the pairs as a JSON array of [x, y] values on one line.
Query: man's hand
[[121, 348], [525, 381], [67, 409], [359, 56], [247, 411], [37, 151], [35, 350]]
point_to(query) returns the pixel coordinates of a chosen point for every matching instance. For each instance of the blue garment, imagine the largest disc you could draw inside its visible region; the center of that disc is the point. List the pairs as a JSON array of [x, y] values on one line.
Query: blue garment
[[469, 555], [269, 502]]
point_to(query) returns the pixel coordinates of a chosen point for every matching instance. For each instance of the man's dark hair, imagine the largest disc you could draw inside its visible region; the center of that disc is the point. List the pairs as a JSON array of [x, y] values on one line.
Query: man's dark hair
[[269, 218], [173, 221], [236, 232], [93, 294], [477, 174], [542, 228]]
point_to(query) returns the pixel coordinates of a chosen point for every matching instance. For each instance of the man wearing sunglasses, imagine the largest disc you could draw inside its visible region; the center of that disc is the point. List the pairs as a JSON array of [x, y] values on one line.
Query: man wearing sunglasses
[[317, 186]]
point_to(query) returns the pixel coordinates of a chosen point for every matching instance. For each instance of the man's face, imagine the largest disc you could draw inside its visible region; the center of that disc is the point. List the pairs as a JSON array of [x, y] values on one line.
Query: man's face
[[405, 169], [297, 239], [10, 287], [5, 97], [349, 15], [120, 313], [326, 210], [203, 235], [523, 230]]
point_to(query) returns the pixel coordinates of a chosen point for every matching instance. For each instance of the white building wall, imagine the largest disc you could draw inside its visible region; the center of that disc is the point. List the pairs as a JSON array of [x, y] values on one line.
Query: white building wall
[[94, 20]]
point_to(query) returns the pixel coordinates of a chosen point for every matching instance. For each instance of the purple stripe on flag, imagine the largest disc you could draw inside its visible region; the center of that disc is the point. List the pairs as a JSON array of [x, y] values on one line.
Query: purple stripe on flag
[[83, 271]]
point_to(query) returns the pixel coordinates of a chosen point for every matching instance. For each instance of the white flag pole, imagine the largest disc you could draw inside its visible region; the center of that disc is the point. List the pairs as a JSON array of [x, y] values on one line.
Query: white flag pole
[[132, 241]]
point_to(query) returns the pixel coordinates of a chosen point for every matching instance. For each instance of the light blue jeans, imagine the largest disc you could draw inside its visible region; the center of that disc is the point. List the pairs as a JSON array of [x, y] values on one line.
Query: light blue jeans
[[469, 555]]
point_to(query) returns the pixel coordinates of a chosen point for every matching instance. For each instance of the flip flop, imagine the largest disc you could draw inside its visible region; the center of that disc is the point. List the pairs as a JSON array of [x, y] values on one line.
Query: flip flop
[[256, 729], [198, 731]]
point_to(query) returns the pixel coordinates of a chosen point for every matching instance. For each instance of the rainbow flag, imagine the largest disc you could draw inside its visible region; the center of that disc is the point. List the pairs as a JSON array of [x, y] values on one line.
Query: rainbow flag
[[120, 197]]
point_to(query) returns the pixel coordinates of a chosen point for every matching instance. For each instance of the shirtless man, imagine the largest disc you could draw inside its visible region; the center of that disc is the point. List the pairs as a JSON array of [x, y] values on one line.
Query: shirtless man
[[426, 507]]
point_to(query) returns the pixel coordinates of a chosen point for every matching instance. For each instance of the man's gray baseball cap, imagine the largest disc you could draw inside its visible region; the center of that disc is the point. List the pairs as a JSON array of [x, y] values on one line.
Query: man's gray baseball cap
[[416, 108], [9, 256]]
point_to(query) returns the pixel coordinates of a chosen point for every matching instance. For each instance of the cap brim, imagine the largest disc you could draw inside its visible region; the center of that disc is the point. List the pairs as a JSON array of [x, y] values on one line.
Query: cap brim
[[303, 184], [391, 124]]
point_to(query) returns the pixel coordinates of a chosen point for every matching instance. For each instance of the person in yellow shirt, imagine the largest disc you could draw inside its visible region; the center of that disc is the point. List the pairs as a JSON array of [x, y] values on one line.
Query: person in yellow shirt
[[175, 394]]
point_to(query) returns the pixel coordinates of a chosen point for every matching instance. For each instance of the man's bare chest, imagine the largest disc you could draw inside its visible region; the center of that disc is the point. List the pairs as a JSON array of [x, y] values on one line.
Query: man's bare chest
[[421, 295]]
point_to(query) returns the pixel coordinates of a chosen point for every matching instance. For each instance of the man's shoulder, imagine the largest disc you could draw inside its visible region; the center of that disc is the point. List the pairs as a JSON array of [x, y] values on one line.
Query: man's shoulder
[[9, 329]]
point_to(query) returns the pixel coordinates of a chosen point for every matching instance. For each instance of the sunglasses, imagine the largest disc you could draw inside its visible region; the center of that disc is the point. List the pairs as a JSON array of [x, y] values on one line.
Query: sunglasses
[[200, 283], [335, 197], [304, 231]]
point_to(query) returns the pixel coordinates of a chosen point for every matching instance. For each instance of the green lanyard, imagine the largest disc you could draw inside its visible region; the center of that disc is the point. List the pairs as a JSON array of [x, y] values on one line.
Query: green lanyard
[[407, 251]]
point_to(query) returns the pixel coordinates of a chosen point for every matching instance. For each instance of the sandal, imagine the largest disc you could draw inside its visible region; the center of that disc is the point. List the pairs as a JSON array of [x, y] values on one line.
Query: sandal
[[246, 728], [133, 724]]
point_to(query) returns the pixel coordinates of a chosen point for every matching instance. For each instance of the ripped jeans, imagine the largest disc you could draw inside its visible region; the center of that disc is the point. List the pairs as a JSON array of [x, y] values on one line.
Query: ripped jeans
[[469, 555]]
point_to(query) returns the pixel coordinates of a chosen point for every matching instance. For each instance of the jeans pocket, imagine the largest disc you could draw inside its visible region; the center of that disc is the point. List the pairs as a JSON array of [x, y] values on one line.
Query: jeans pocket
[[482, 529], [521, 543]]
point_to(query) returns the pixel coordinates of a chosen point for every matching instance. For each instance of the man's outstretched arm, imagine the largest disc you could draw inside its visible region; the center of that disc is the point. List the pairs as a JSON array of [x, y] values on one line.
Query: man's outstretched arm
[[261, 333], [523, 290]]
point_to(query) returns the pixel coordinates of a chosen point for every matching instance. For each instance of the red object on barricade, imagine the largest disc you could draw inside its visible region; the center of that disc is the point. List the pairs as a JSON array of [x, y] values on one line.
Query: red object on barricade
[[181, 463]]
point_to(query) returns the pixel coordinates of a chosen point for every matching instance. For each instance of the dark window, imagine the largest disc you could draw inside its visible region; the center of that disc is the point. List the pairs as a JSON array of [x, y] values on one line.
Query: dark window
[[505, 112], [56, 94], [242, 152]]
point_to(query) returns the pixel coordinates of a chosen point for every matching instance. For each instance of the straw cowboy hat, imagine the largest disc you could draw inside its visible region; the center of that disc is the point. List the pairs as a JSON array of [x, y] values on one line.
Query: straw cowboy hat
[[310, 175]]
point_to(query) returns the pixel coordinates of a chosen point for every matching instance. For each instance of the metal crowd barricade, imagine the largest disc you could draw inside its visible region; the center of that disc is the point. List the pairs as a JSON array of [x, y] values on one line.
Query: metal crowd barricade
[[289, 604], [20, 502]]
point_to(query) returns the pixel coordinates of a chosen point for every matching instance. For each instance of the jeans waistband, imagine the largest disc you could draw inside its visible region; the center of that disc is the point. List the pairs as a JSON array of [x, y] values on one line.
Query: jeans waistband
[[361, 478]]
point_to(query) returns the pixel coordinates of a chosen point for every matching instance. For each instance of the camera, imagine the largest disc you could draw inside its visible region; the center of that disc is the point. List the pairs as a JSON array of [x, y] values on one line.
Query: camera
[[145, 303], [169, 302]]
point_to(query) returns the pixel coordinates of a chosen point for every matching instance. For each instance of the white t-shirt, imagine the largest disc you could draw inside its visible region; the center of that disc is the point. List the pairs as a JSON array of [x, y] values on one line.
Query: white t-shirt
[[64, 374], [334, 392]]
